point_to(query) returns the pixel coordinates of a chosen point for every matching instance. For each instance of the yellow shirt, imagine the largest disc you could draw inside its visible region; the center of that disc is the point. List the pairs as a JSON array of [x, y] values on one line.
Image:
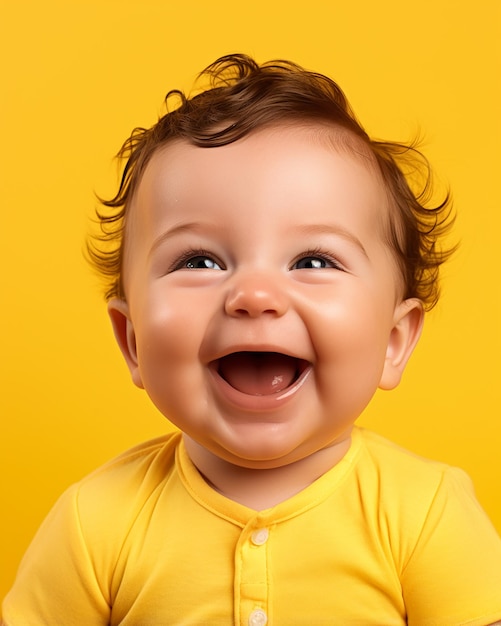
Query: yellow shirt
[[384, 538]]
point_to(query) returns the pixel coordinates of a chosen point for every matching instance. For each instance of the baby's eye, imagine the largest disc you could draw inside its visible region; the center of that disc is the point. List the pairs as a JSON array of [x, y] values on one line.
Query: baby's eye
[[197, 260], [311, 263], [315, 262], [201, 263]]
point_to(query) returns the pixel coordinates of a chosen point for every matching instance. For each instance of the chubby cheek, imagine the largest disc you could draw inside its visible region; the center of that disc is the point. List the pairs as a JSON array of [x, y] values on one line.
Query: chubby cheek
[[350, 346], [167, 344]]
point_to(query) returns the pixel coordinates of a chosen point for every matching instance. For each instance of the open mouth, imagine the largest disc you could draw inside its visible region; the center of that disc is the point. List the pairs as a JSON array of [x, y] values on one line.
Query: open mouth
[[260, 373]]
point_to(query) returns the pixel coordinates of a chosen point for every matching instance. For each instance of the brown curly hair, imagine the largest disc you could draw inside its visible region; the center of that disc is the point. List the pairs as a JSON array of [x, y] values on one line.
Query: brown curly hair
[[243, 96]]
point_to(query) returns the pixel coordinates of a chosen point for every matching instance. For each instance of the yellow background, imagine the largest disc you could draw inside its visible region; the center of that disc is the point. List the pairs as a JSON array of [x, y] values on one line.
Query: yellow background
[[78, 75]]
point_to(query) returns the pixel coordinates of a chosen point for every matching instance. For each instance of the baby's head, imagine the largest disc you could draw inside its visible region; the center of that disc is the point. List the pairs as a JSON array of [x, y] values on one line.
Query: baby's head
[[244, 97], [269, 264]]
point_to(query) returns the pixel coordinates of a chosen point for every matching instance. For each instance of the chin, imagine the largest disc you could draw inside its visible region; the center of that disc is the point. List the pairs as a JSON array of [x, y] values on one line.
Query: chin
[[259, 453]]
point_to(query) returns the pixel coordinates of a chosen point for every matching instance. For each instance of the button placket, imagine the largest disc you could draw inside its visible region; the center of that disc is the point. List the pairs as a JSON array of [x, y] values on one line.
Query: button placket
[[260, 537], [258, 617], [252, 575]]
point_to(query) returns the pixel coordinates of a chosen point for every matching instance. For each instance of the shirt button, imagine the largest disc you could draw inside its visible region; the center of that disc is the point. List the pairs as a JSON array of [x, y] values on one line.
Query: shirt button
[[260, 537], [258, 618]]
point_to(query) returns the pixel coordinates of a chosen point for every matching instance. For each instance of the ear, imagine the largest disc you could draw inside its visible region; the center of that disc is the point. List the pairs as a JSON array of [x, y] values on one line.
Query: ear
[[408, 323], [118, 310]]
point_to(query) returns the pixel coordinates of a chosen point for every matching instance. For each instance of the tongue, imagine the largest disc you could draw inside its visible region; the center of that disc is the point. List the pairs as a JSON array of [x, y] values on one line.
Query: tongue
[[258, 373]]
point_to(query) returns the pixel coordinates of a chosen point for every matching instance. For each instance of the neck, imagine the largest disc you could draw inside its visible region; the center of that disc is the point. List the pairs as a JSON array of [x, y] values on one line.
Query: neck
[[261, 489]]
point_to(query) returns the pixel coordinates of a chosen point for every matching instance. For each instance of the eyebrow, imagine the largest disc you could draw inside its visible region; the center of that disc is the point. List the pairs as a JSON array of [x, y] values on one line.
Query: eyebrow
[[178, 228], [307, 229], [333, 229]]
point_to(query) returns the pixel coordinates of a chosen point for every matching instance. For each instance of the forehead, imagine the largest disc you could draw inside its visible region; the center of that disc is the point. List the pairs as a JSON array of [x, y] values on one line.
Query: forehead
[[299, 163]]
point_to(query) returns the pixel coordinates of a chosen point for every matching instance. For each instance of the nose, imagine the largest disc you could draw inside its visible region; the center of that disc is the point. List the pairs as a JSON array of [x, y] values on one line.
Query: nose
[[256, 293]]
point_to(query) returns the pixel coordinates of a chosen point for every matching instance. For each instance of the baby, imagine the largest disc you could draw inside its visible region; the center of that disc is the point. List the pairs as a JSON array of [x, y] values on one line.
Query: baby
[[268, 269]]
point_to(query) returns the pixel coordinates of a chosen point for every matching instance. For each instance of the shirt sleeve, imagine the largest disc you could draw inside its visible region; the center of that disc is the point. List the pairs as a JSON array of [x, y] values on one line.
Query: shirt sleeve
[[453, 576], [56, 584]]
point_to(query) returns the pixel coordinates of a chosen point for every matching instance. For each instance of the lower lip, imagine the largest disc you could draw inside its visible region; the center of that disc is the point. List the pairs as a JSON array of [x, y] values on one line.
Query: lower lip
[[253, 403]]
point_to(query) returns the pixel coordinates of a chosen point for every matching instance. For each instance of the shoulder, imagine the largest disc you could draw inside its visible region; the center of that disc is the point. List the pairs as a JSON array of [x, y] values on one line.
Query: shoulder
[[105, 504], [130, 477], [148, 461], [409, 485], [77, 547], [429, 509], [400, 468], [140, 470], [411, 493]]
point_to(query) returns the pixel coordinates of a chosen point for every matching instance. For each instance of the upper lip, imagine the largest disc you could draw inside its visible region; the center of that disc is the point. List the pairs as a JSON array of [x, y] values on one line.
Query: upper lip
[[258, 348]]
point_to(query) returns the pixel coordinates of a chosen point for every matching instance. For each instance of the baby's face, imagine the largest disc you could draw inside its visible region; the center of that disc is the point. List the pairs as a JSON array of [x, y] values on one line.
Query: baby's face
[[263, 305]]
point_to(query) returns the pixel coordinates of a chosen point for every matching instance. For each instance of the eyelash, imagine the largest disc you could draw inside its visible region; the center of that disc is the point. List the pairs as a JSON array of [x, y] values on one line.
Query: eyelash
[[180, 262], [315, 253], [319, 253]]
